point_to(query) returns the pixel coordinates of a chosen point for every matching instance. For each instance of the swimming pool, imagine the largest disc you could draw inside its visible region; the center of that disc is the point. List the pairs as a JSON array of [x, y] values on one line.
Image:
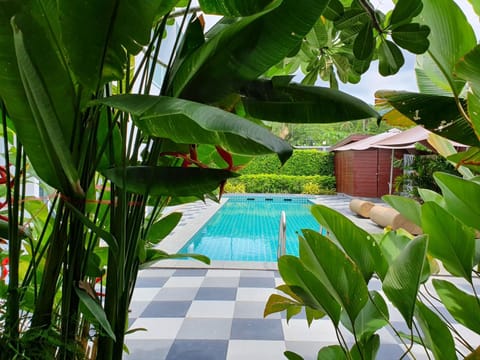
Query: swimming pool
[[246, 228]]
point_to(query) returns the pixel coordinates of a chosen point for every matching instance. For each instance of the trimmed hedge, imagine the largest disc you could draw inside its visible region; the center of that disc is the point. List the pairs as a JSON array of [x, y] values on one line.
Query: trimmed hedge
[[302, 163], [272, 183]]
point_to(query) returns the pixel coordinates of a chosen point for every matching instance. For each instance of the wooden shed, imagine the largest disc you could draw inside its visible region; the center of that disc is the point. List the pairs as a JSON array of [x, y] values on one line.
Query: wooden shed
[[364, 170]]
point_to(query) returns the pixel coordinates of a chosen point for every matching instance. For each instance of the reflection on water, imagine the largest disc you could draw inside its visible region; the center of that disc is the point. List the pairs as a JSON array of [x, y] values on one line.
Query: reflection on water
[[247, 230]]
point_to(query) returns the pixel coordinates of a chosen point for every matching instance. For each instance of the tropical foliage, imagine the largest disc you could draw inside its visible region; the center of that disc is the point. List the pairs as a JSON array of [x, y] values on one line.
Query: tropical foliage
[[351, 35], [419, 174], [78, 115], [332, 274], [283, 184], [306, 172], [302, 162]]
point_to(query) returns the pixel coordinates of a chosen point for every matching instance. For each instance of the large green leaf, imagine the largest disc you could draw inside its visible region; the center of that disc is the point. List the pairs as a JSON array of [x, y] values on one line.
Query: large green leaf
[[169, 181], [409, 208], [463, 307], [476, 6], [412, 37], [160, 229], [233, 8], [451, 37], [42, 133], [438, 114], [390, 58], [334, 10], [474, 111], [437, 336], [402, 280], [445, 148], [356, 242], [93, 305], [449, 240], [52, 108], [308, 287], [430, 79], [277, 303], [336, 271], [462, 197], [392, 245], [240, 51], [154, 255], [332, 352], [293, 305], [106, 31], [469, 159], [103, 234], [373, 317], [364, 43], [352, 17], [290, 355], [430, 195], [281, 101], [405, 10], [366, 348], [468, 69], [188, 122]]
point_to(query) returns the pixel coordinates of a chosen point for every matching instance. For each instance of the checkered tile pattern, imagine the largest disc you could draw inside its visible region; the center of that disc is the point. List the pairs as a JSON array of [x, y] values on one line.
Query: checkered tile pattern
[[218, 314]]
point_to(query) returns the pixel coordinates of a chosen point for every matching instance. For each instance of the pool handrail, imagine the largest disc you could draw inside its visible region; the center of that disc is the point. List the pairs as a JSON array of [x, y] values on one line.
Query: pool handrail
[[282, 235]]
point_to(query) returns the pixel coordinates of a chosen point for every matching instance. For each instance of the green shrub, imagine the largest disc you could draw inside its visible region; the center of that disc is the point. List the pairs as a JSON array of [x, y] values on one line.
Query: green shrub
[[302, 162], [238, 188], [421, 174], [311, 188], [270, 183]]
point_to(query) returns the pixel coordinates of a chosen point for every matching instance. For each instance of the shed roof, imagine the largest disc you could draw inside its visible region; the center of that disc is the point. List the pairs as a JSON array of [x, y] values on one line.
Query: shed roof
[[349, 139], [393, 139], [368, 142], [406, 138]]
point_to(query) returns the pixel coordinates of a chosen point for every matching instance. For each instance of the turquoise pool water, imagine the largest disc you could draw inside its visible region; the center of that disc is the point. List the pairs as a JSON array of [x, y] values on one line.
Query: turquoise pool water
[[246, 228]]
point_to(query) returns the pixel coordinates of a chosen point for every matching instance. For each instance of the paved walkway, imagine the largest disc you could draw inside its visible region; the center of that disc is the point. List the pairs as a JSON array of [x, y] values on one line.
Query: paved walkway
[[212, 314], [194, 312]]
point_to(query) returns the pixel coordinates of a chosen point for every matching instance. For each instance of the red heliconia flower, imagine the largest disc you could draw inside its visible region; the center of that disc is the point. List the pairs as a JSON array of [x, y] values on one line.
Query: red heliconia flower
[[3, 176], [188, 159], [99, 280], [4, 267], [228, 158]]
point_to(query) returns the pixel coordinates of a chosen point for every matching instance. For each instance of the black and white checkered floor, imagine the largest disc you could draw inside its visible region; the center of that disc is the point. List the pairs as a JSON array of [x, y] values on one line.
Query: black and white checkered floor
[[210, 314]]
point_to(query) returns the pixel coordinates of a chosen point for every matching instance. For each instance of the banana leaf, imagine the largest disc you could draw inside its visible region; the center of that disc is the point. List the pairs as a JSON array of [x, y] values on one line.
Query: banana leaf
[[240, 50], [233, 8], [439, 114], [189, 122], [98, 35], [168, 181], [281, 101], [38, 92], [451, 37]]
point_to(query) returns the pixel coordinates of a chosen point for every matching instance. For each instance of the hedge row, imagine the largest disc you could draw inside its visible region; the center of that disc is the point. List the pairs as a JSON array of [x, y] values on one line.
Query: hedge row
[[271, 183], [302, 163]]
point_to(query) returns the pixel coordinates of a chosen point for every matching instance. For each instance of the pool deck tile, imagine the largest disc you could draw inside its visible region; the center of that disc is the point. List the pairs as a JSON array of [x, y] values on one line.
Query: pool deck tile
[[215, 312], [226, 322]]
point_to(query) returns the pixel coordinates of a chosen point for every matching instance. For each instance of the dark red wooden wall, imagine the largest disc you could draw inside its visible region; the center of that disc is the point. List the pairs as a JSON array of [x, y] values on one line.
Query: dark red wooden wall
[[365, 173]]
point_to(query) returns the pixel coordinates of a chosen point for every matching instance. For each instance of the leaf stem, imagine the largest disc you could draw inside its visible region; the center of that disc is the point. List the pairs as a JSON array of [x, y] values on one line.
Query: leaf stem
[[367, 6]]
